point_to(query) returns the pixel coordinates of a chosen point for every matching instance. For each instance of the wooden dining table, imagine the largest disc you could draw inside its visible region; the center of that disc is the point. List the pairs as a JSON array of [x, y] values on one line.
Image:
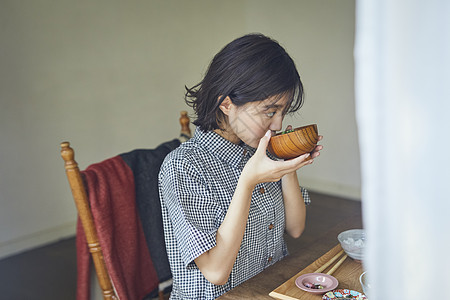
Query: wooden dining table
[[302, 259]]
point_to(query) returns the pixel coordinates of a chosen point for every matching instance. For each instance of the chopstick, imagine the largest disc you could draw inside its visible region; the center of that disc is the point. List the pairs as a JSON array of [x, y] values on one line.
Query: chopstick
[[332, 260], [337, 265]]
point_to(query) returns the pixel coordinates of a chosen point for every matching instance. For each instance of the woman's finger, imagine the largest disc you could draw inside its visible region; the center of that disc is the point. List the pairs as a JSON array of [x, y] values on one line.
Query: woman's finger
[[295, 163], [263, 142], [316, 150]]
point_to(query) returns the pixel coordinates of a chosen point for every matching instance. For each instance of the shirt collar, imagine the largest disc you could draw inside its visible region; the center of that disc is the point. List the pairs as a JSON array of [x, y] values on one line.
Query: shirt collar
[[220, 147]]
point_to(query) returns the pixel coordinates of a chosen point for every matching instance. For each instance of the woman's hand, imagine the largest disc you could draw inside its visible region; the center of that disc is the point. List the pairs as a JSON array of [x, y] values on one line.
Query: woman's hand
[[260, 168]]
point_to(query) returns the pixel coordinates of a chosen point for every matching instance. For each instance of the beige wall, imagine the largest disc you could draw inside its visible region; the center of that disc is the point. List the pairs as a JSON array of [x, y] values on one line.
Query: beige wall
[[108, 76], [319, 35]]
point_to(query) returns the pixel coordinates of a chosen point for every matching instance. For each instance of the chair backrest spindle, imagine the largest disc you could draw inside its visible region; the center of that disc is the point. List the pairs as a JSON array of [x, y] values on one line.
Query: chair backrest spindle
[[81, 201]]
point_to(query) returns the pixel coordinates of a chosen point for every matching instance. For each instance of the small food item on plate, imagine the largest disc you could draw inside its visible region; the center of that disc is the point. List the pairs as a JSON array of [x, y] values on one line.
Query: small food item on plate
[[311, 285]]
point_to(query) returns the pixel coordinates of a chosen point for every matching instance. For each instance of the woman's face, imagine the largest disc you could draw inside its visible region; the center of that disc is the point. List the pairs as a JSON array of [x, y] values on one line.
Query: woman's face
[[249, 122]]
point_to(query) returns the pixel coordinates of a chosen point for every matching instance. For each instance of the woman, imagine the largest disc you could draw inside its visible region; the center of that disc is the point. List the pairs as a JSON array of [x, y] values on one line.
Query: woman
[[226, 202]]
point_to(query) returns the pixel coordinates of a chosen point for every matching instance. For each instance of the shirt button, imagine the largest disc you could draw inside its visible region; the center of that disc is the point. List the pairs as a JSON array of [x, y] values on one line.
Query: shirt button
[[245, 152], [269, 259], [261, 190], [270, 226]]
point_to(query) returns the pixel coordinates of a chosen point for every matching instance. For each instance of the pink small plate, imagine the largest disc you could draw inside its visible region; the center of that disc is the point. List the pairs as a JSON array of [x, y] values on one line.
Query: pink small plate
[[327, 281]]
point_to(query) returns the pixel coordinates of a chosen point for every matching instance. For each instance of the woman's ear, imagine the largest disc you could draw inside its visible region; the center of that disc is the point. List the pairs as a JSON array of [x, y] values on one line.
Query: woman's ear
[[226, 105]]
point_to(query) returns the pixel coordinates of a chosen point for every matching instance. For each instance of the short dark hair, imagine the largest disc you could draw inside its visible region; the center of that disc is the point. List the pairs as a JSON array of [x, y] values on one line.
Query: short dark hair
[[251, 68]]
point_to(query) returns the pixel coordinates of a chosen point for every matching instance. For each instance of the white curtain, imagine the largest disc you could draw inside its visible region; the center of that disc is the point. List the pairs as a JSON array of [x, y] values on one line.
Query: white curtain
[[402, 58]]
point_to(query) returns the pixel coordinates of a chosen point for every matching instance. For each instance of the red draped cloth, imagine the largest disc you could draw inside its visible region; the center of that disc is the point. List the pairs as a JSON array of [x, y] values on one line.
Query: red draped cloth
[[112, 199]]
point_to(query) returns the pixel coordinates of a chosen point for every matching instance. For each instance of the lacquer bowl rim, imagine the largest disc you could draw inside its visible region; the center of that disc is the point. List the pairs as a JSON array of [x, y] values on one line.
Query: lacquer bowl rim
[[294, 130]]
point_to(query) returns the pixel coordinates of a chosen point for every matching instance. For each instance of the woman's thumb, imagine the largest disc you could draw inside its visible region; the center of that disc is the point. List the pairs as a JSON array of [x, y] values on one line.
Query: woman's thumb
[[264, 141]]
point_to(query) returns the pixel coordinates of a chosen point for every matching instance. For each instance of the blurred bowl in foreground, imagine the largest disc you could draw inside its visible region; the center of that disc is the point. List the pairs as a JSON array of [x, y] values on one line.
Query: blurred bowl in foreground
[[366, 286]]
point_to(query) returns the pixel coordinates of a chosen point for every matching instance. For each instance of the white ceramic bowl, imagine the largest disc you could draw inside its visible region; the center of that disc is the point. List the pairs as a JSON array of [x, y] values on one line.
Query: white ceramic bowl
[[353, 242]]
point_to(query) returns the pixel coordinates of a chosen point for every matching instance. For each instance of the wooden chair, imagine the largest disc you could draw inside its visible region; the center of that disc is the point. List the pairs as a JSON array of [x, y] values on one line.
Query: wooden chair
[[80, 197]]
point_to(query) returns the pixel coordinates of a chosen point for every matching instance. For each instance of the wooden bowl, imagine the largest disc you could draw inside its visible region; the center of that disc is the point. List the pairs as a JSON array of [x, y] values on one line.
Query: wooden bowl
[[292, 144]]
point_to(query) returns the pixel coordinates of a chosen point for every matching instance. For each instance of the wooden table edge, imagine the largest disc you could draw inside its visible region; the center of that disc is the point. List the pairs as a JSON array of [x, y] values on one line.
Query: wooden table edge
[[281, 296]]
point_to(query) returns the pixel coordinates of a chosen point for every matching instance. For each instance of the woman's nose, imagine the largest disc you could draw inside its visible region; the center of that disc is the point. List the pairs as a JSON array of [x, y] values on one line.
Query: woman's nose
[[276, 124]]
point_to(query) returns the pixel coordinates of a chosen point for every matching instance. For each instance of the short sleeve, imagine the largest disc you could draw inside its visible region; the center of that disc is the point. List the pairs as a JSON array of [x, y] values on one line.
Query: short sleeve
[[305, 195], [193, 211]]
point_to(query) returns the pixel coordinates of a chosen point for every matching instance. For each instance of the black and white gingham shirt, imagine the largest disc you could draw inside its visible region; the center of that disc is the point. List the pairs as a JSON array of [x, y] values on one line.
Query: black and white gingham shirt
[[196, 183]]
